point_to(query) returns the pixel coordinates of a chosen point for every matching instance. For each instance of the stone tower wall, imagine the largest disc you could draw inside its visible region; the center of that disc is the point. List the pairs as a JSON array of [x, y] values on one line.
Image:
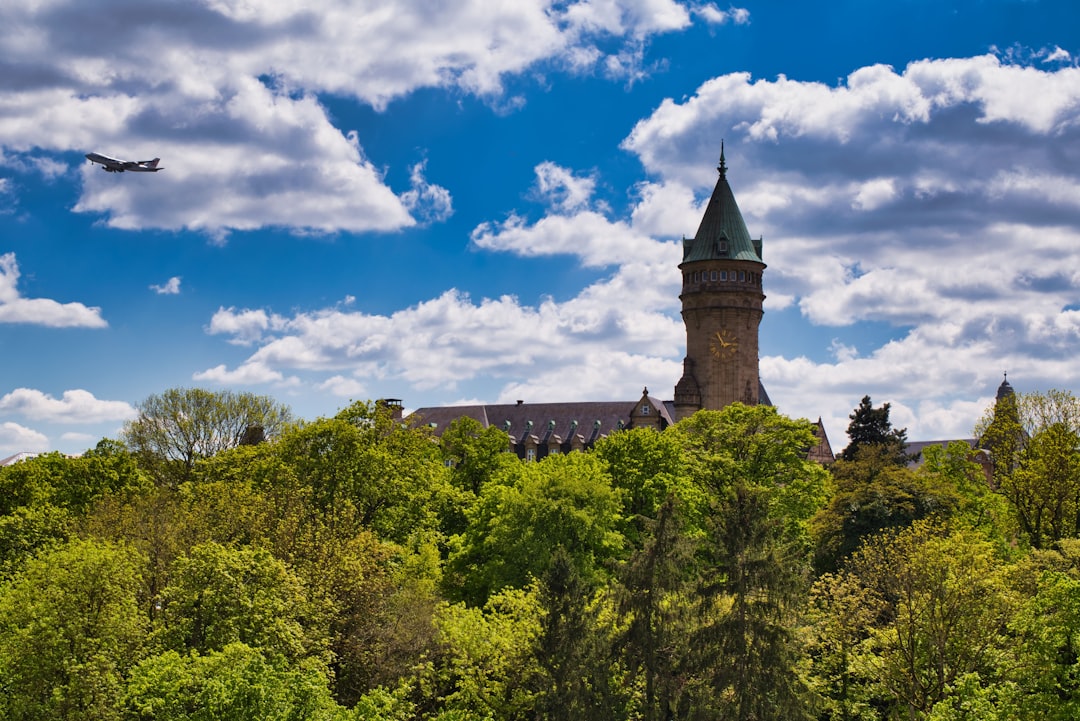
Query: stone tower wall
[[722, 317]]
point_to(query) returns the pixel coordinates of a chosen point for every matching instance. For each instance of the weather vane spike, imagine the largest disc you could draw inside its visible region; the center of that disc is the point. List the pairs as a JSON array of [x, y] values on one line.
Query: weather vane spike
[[723, 165]]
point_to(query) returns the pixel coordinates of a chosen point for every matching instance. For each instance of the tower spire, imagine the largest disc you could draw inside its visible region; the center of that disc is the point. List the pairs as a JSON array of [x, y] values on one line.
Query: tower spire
[[723, 165]]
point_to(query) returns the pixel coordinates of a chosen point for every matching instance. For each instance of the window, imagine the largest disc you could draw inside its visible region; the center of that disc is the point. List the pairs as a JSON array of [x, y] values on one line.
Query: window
[[723, 275], [742, 276], [644, 409], [530, 454], [714, 275]]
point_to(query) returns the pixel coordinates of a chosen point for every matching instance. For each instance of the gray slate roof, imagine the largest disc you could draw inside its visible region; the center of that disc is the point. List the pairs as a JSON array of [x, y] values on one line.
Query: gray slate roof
[[594, 419]]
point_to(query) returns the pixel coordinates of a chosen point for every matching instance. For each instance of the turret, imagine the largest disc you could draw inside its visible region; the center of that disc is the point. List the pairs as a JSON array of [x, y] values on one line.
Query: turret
[[722, 305]]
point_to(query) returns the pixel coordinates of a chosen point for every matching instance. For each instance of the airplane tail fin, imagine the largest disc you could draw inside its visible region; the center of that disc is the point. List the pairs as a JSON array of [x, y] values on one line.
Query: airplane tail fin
[[152, 163]]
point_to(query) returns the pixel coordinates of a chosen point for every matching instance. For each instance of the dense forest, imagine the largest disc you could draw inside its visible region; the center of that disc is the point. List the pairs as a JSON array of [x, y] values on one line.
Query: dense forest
[[222, 560]]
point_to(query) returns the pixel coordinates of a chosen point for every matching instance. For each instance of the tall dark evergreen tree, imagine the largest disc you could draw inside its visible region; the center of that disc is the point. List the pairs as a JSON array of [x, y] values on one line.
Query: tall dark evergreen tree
[[574, 669], [871, 427], [652, 603], [744, 655]]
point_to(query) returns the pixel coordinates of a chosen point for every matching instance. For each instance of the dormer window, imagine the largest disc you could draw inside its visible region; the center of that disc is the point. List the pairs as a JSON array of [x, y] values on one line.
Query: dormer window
[[721, 246], [644, 409]]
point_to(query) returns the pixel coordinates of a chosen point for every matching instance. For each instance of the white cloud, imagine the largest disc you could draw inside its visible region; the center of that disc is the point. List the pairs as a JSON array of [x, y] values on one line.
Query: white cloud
[[245, 327], [225, 93], [79, 437], [715, 16], [564, 191], [16, 439], [431, 203], [343, 387], [75, 406], [169, 287], [251, 373], [931, 202], [40, 311]]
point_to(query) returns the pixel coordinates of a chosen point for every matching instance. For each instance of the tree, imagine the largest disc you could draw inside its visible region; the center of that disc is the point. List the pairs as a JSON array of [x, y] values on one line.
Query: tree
[[653, 603], [1034, 440], [757, 447], [474, 453], [484, 665], [236, 683], [219, 596], [574, 664], [182, 425], [744, 655], [754, 558], [874, 494], [839, 622], [946, 609], [521, 518], [1047, 635], [362, 469], [871, 427], [70, 627]]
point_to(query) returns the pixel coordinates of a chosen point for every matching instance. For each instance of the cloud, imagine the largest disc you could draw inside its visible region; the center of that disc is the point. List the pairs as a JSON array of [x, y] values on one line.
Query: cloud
[[869, 216], [227, 94], [16, 439], [561, 189], [246, 326], [169, 287], [343, 387], [715, 16], [250, 373], [430, 203], [40, 311], [75, 406], [933, 200], [453, 339]]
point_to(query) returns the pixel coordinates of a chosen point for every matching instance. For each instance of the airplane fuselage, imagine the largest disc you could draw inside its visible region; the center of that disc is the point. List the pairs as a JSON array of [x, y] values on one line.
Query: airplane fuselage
[[113, 165]]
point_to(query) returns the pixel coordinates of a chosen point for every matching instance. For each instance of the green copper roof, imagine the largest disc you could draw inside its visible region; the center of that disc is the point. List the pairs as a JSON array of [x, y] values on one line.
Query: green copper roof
[[722, 233]]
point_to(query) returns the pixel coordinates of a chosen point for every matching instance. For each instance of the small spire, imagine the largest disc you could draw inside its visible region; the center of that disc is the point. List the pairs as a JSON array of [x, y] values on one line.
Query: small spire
[[723, 165]]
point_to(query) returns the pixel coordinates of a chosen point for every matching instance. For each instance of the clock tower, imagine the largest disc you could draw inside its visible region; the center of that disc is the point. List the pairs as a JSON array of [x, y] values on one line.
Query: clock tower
[[721, 308]]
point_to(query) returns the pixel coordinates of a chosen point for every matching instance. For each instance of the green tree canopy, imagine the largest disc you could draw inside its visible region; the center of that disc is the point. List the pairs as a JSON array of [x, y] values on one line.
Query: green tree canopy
[[236, 683], [70, 627], [1034, 442], [363, 469], [182, 425], [524, 516], [220, 595], [874, 494], [871, 427]]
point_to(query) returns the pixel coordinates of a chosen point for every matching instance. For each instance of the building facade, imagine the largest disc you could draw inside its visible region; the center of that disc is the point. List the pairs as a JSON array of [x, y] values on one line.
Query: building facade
[[722, 307]]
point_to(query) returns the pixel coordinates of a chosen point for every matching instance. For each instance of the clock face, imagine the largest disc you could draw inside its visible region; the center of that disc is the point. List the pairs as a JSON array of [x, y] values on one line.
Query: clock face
[[724, 344]]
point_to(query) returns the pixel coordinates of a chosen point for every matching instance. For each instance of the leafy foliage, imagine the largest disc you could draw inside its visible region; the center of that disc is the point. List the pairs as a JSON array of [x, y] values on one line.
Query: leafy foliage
[[182, 425], [356, 568], [871, 427], [70, 626]]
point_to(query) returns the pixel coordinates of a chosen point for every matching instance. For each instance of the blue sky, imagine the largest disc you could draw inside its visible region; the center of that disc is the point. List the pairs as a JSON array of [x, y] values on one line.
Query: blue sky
[[484, 202]]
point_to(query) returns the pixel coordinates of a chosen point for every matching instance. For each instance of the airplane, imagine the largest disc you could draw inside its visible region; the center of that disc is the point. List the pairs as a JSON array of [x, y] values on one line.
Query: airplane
[[112, 165]]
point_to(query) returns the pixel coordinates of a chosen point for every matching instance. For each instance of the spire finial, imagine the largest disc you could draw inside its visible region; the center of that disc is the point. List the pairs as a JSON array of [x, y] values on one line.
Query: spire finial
[[723, 165]]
